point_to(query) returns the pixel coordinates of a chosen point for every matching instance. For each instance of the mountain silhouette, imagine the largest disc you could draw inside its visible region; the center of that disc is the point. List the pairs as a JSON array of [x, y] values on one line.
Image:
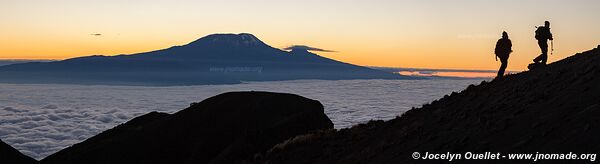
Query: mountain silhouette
[[214, 59], [229, 128], [554, 109], [11, 155]]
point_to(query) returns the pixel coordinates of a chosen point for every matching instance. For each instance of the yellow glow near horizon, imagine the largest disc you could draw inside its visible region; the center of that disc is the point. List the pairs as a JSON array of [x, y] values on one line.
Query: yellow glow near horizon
[[397, 33]]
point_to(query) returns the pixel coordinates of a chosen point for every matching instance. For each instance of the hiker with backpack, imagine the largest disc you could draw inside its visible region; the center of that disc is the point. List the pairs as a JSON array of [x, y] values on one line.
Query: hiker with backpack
[[502, 51], [542, 35]]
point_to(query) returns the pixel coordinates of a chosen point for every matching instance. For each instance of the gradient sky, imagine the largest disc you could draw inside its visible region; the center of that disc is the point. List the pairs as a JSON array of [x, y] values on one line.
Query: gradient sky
[[458, 34]]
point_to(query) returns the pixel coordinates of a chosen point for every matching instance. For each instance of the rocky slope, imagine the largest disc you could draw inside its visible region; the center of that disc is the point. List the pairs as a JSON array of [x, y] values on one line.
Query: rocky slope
[[10, 155], [555, 109], [228, 128]]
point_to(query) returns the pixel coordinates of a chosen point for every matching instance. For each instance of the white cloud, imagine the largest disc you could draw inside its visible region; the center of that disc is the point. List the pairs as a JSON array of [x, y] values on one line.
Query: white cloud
[[50, 106], [11, 109], [107, 118]]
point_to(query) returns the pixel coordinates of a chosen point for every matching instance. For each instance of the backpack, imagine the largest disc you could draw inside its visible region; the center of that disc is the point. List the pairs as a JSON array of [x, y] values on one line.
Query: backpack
[[541, 33], [503, 47]]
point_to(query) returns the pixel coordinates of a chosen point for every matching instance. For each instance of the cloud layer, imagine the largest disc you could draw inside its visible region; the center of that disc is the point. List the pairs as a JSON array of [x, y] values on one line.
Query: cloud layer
[[308, 48]]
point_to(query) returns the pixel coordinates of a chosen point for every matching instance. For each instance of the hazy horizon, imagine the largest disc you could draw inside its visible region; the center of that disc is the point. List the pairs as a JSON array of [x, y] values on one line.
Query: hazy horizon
[[419, 72]]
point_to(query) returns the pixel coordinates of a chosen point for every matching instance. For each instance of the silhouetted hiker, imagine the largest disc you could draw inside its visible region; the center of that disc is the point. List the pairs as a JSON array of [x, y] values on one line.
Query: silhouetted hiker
[[542, 34], [503, 50]]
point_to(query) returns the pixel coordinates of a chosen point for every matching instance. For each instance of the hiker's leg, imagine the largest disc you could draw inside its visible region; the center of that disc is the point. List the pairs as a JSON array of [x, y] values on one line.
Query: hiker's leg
[[544, 47], [502, 67], [538, 58], [544, 58]]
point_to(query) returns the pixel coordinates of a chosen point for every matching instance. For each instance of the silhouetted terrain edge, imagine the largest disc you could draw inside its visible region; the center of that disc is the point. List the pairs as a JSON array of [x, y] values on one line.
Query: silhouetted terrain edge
[[10, 155], [213, 59], [549, 110], [228, 128]]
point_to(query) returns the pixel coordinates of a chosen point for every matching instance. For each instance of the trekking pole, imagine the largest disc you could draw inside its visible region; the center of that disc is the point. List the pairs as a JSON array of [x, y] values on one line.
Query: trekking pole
[[552, 46]]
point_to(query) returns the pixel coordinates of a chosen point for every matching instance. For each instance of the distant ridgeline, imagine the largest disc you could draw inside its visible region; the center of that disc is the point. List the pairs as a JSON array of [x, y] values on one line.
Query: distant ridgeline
[[17, 61], [214, 59]]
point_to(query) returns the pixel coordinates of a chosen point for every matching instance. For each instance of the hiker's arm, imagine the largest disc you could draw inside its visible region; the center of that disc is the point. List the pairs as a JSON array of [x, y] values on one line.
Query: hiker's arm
[[550, 34], [510, 46]]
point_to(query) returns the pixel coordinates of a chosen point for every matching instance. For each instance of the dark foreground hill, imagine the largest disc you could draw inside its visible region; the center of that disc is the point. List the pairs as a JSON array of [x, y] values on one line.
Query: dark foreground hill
[[214, 59], [10, 155], [228, 128], [550, 110]]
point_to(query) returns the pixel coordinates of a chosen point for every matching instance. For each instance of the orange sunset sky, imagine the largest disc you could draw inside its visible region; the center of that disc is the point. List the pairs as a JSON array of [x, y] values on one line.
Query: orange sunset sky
[[458, 34]]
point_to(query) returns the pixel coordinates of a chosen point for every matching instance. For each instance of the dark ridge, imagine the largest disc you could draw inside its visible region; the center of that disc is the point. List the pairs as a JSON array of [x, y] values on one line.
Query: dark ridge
[[233, 127], [10, 155], [555, 109]]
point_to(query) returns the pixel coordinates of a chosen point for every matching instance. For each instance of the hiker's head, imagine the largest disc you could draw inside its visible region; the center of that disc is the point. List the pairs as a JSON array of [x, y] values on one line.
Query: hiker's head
[[504, 35], [547, 24]]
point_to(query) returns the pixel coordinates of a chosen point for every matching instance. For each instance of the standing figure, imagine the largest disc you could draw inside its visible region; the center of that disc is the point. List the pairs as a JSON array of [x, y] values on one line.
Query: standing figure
[[502, 51], [542, 34]]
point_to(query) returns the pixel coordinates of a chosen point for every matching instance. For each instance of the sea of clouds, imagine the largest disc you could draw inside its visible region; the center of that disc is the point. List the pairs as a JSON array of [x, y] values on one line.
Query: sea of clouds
[[42, 119]]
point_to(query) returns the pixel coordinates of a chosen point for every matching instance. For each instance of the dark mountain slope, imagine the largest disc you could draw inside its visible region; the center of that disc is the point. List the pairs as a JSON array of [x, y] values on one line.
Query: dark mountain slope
[[214, 59], [555, 109], [10, 155], [228, 128]]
